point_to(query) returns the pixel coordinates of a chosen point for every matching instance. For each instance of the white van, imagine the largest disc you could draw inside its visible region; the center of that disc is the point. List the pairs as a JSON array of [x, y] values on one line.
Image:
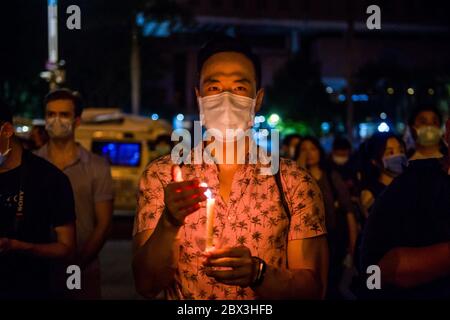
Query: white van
[[126, 141]]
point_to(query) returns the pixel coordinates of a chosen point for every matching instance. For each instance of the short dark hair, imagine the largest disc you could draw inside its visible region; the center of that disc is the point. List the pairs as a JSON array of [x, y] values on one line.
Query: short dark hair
[[228, 44], [341, 143], [5, 112], [421, 109], [322, 155], [66, 94], [377, 145], [371, 154]]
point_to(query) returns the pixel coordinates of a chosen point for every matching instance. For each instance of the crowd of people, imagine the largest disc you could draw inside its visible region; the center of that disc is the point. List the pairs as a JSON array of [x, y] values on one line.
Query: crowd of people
[[352, 181], [309, 231]]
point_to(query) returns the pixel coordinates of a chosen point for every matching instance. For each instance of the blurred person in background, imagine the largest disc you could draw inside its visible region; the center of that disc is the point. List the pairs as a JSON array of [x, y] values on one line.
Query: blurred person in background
[[342, 161], [90, 176], [38, 137], [425, 125], [340, 219], [386, 159], [408, 233], [162, 146], [37, 220], [289, 145]]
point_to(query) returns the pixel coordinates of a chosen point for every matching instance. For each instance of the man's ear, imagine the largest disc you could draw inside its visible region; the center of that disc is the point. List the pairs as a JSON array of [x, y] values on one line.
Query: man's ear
[[259, 99], [197, 92]]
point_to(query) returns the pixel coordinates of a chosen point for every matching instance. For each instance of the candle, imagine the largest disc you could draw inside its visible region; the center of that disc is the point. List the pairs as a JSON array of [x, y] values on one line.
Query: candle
[[177, 176], [210, 203]]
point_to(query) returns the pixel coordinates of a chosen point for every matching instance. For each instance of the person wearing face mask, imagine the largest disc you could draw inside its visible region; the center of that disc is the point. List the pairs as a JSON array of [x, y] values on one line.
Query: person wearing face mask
[[37, 219], [425, 125], [386, 160], [342, 161], [261, 248], [341, 223], [408, 233], [90, 176]]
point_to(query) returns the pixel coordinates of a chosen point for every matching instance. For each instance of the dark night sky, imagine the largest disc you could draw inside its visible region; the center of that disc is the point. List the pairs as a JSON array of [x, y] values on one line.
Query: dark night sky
[[97, 55]]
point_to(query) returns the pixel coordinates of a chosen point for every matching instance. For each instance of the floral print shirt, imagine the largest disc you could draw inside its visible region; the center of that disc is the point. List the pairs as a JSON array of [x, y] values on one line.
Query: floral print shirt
[[253, 217]]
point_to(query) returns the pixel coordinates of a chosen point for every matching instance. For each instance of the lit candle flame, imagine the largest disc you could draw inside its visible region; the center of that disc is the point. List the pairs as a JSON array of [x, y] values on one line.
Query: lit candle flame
[[208, 192]]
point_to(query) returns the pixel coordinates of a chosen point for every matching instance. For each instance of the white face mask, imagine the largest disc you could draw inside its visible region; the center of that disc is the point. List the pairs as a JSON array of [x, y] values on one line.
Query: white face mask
[[227, 111], [428, 136], [58, 127], [340, 160]]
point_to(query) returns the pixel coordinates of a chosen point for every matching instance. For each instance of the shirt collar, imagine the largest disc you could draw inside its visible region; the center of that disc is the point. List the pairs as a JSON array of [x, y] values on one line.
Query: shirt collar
[[420, 156], [82, 155], [208, 159]]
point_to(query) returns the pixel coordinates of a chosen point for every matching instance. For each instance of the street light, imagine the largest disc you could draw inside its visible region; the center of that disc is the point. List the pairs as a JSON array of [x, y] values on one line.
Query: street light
[[273, 120], [55, 74]]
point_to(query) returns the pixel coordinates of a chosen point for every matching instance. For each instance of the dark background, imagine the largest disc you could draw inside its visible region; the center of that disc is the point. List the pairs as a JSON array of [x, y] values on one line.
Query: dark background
[[305, 46]]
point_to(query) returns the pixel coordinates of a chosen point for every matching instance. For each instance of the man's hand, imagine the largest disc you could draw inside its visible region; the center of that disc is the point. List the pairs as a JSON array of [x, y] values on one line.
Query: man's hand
[[238, 260], [183, 198], [5, 245]]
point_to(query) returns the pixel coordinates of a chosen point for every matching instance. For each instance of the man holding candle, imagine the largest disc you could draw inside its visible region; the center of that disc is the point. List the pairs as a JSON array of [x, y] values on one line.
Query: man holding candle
[[260, 250]]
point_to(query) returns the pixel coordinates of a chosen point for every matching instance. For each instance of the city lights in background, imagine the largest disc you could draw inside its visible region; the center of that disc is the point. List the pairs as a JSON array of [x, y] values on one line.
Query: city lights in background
[[390, 90], [360, 97], [383, 116], [355, 97], [410, 91], [365, 130], [329, 90], [259, 120], [325, 126], [22, 129], [383, 127], [273, 120], [401, 127], [177, 122], [430, 91], [155, 116]]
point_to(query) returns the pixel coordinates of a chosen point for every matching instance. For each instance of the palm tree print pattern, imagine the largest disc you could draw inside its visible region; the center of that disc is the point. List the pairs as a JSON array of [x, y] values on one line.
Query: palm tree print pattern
[[253, 217]]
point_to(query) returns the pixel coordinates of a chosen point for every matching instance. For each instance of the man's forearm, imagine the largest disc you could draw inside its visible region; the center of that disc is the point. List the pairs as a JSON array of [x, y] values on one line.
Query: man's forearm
[[94, 244], [49, 250], [289, 284], [352, 225], [155, 263], [411, 267]]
